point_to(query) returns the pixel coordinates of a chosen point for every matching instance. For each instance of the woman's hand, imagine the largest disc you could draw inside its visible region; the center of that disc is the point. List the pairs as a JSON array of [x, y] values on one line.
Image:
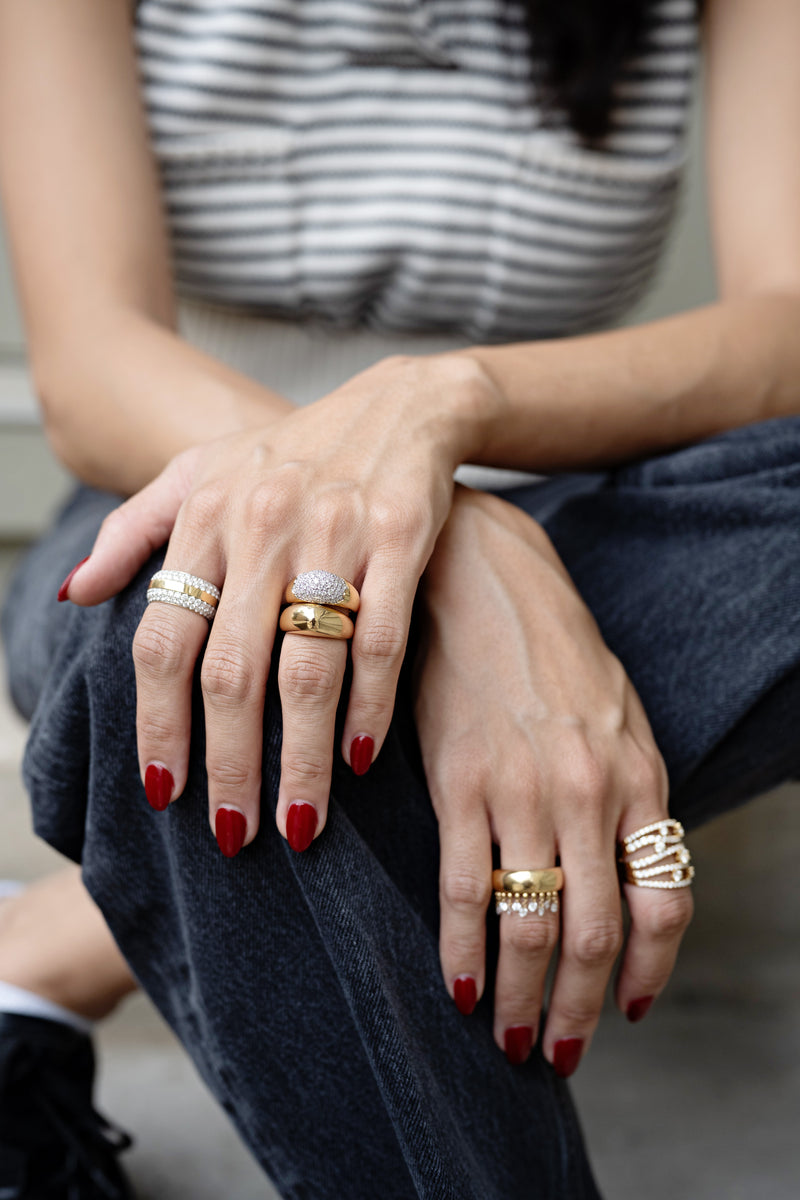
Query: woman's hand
[[359, 483], [533, 738]]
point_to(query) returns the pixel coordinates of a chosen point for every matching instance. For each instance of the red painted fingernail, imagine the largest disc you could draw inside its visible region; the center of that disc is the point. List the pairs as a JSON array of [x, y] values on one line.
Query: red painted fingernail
[[518, 1041], [567, 1055], [62, 591], [465, 994], [158, 786], [301, 825], [639, 1008], [230, 826], [361, 749]]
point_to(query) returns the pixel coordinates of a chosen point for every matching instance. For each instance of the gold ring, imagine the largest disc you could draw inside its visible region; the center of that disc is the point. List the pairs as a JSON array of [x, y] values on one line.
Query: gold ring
[[323, 587], [545, 879], [668, 865], [527, 892], [315, 620], [184, 590]]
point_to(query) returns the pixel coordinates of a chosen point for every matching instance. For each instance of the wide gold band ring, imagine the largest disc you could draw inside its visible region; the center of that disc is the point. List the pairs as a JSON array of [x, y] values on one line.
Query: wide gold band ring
[[323, 587], [315, 620], [666, 862], [545, 879], [185, 591]]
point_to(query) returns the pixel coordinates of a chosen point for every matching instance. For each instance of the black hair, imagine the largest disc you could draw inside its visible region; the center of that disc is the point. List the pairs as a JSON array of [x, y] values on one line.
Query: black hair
[[579, 48]]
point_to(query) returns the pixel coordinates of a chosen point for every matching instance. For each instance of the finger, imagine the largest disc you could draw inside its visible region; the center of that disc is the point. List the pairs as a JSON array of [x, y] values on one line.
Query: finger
[[165, 649], [527, 939], [378, 648], [310, 675], [591, 938], [129, 535], [465, 890], [659, 919]]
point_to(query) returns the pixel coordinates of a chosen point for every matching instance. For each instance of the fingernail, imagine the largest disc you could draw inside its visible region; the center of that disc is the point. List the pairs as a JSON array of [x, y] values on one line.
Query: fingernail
[[361, 749], [567, 1055], [158, 786], [62, 591], [230, 826], [639, 1008], [465, 994], [518, 1041], [301, 825]]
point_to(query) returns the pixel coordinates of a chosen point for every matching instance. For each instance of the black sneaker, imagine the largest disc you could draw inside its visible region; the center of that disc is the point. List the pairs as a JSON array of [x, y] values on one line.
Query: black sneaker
[[53, 1144]]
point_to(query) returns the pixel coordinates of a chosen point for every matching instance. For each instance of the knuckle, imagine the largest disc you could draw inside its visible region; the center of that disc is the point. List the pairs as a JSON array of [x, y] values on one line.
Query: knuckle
[[570, 1014], [671, 918], [465, 889], [153, 731], [586, 776], [203, 507], [305, 673], [268, 503], [228, 774], [306, 768], [646, 775], [227, 675], [533, 935], [597, 943], [380, 642], [158, 648]]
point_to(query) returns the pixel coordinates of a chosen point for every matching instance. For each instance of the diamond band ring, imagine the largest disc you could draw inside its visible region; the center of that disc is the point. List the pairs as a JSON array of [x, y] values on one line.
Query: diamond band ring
[[525, 892], [323, 587], [668, 865], [184, 590]]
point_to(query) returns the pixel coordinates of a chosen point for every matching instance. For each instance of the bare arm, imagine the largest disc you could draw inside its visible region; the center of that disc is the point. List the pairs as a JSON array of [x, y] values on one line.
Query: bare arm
[[121, 392], [590, 401]]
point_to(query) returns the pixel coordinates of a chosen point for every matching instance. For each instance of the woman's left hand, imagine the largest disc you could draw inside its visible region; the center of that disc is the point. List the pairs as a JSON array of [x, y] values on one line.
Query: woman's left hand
[[533, 738]]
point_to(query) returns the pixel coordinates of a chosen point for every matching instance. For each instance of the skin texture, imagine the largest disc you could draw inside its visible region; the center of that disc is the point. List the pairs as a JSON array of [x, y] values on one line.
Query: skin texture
[[206, 453]]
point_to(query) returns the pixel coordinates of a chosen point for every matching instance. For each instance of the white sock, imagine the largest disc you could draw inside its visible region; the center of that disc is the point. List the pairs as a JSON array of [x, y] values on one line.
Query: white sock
[[18, 1000]]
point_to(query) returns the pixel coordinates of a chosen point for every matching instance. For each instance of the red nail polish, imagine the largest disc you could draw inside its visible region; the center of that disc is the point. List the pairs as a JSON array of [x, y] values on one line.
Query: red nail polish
[[301, 825], [518, 1041], [230, 828], [566, 1056], [639, 1008], [62, 591], [465, 994], [361, 753], [158, 786]]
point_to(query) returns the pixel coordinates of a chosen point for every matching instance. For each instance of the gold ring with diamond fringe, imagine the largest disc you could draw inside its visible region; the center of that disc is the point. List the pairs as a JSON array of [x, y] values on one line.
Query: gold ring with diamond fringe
[[668, 865], [315, 620], [323, 587], [527, 892]]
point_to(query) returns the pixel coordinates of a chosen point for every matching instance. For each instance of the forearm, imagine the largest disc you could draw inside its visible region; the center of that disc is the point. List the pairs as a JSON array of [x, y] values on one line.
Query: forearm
[[120, 404], [597, 400]]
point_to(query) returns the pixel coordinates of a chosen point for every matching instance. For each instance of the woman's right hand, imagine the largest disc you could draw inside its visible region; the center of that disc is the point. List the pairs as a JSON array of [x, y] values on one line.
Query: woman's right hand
[[359, 483]]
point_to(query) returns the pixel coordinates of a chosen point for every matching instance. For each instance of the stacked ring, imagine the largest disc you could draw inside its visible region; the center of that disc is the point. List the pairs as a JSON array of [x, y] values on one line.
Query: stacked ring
[[187, 591], [670, 863], [527, 891], [318, 605]]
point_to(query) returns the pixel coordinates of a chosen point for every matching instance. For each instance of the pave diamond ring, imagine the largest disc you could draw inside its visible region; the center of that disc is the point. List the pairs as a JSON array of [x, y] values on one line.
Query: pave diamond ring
[[323, 587], [187, 591], [668, 863]]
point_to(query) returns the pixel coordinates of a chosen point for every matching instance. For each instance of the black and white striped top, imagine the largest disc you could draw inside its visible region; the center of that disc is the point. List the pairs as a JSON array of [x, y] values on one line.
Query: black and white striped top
[[386, 163]]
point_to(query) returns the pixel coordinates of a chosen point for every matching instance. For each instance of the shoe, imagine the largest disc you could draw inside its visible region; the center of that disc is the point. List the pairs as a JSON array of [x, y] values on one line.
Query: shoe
[[53, 1144]]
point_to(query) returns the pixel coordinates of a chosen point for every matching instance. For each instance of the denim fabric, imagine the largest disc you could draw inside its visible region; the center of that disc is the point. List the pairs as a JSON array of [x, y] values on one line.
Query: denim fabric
[[307, 987]]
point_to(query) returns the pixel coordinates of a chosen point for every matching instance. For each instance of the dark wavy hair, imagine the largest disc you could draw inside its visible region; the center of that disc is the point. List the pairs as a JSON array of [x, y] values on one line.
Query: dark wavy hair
[[579, 48]]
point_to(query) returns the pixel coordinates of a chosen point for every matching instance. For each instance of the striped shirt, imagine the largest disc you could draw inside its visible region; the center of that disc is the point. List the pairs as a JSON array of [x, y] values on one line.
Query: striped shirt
[[388, 164]]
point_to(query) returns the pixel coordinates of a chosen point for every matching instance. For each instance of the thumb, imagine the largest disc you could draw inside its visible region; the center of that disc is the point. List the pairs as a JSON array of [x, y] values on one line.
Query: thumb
[[128, 537]]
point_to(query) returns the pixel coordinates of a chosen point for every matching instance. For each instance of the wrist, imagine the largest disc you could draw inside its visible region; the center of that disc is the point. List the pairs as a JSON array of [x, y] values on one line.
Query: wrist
[[471, 406]]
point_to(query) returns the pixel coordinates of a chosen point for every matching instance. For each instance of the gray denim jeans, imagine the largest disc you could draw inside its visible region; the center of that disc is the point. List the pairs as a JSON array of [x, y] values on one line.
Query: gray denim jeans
[[307, 987]]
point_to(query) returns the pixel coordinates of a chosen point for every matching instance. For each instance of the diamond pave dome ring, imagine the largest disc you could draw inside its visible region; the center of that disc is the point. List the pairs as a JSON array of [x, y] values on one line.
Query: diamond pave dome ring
[[518, 893], [323, 587], [187, 591]]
